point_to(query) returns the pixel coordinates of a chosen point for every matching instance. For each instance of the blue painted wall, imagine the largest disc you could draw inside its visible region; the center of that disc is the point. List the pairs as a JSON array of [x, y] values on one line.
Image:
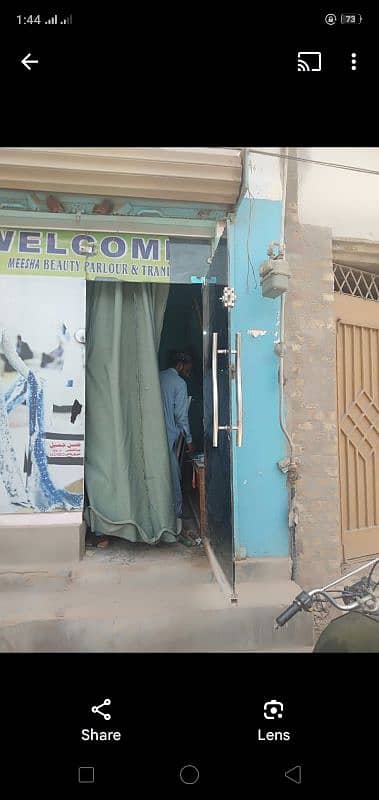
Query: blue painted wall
[[260, 494]]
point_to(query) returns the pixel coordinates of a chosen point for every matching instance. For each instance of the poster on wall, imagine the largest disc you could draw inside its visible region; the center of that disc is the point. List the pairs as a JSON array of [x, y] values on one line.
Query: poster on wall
[[42, 384], [104, 256]]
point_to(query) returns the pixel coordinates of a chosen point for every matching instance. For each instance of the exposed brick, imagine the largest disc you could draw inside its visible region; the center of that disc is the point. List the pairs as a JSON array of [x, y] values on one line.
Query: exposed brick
[[310, 396]]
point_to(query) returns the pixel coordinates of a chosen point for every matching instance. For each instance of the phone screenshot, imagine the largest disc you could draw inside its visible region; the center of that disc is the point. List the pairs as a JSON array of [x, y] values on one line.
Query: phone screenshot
[[189, 400]]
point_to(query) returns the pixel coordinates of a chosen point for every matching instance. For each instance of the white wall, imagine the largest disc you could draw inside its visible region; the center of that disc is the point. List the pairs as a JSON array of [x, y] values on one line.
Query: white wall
[[265, 182], [35, 307], [347, 202], [264, 173]]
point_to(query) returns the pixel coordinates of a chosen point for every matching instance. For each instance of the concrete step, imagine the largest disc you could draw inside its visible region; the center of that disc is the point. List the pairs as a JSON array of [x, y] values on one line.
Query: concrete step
[[227, 630], [107, 568], [144, 600], [57, 537], [134, 599], [24, 579], [129, 618], [104, 569]]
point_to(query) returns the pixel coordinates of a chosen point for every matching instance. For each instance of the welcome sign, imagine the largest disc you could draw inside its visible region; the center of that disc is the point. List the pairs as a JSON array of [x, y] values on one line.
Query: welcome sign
[[121, 256]]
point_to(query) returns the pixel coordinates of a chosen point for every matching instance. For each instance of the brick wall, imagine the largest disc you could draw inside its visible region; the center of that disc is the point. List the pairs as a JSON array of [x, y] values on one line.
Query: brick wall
[[310, 394]]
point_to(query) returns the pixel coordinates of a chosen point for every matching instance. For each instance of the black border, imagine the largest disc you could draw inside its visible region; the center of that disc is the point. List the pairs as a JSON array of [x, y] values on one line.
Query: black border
[[118, 79], [193, 86], [199, 709]]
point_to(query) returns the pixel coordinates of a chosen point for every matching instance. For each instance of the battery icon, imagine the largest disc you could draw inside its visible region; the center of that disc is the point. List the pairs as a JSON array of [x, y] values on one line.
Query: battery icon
[[351, 19]]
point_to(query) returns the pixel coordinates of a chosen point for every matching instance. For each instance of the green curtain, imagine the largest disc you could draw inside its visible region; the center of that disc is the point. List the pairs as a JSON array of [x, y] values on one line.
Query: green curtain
[[127, 467]]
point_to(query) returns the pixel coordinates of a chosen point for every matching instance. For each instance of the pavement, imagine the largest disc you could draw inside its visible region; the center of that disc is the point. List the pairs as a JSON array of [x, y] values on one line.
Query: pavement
[[138, 598]]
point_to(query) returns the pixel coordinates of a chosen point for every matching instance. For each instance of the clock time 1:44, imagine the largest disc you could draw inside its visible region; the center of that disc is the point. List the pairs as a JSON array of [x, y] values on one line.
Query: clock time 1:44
[[31, 20]]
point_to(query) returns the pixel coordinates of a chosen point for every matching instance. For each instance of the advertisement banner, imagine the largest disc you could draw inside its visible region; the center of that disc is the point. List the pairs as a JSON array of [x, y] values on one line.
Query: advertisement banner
[[119, 256], [42, 384]]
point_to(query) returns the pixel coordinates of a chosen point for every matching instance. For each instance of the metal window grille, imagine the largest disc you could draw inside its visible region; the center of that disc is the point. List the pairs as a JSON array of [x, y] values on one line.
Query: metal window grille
[[356, 282]]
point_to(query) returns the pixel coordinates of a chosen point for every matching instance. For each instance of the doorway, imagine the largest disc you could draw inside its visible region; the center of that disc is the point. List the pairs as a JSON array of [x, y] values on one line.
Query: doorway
[[183, 332], [132, 331]]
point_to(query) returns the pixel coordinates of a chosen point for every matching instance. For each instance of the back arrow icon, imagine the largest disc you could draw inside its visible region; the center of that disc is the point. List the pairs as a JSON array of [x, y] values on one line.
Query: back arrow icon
[[26, 61], [294, 774]]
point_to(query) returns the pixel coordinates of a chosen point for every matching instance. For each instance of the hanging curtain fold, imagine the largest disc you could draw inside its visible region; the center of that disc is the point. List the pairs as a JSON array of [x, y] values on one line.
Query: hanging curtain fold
[[127, 468]]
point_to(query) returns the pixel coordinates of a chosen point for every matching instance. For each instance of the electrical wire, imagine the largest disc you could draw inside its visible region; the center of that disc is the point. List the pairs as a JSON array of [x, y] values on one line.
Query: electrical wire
[[250, 265], [332, 164]]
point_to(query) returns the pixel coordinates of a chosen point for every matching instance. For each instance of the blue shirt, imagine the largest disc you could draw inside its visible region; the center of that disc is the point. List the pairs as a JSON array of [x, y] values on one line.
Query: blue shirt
[[175, 405]]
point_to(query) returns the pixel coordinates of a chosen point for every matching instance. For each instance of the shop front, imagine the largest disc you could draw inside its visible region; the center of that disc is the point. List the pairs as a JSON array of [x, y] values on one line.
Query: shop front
[[91, 309]]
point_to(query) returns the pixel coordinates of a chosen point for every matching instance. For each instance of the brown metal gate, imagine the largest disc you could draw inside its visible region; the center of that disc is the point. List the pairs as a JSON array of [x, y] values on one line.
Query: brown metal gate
[[358, 422]]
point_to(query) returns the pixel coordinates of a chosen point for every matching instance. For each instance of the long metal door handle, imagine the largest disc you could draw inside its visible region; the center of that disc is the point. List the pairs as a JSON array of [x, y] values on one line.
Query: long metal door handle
[[239, 426], [215, 389]]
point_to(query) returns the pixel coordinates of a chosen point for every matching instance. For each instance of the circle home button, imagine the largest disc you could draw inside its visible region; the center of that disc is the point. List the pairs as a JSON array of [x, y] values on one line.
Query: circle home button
[[189, 774]]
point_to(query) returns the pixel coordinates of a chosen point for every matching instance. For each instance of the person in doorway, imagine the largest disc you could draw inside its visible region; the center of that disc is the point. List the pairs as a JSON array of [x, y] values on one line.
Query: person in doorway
[[175, 409]]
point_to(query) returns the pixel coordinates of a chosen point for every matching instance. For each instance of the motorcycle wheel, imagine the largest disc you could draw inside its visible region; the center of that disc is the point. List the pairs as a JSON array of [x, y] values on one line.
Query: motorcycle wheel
[[351, 633]]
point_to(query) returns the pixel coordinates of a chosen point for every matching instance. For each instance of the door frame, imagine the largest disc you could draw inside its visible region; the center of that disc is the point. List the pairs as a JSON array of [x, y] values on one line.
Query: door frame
[[226, 585]]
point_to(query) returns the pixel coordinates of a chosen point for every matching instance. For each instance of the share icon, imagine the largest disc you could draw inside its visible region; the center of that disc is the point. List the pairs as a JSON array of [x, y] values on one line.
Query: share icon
[[97, 709]]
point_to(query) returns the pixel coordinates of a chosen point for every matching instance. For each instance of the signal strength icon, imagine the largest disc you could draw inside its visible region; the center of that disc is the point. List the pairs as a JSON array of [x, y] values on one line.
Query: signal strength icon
[[52, 21], [67, 20]]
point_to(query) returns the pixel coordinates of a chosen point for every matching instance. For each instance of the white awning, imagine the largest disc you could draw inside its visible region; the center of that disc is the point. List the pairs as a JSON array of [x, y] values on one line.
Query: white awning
[[203, 175]]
